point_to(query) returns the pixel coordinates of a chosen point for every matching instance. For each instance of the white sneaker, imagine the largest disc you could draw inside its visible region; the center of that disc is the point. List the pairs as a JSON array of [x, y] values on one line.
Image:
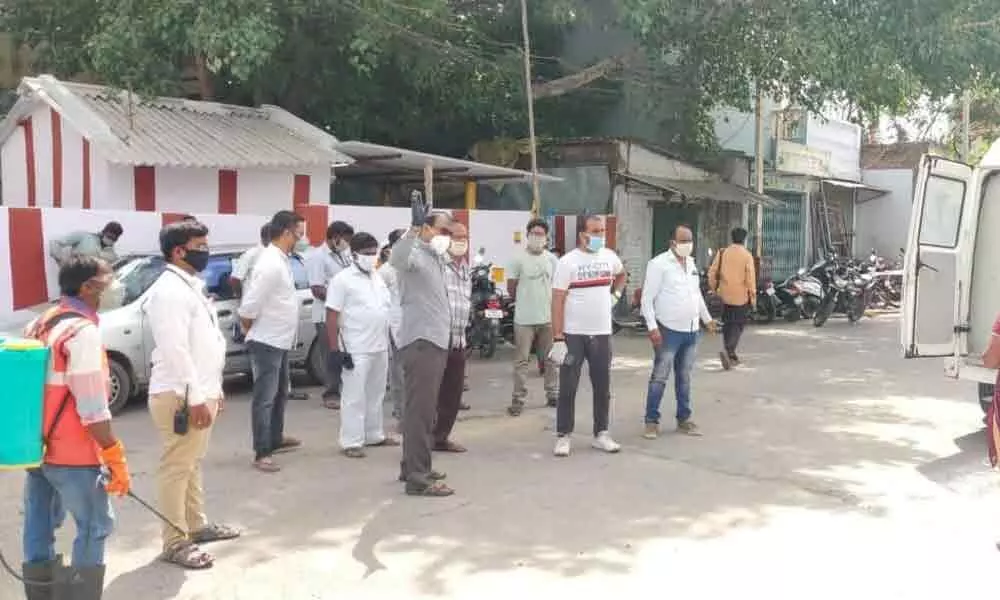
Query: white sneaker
[[603, 441], [562, 446]]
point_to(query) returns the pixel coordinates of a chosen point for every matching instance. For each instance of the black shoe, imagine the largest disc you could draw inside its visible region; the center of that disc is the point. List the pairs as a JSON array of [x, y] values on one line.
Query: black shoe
[[39, 579], [727, 362], [85, 583]]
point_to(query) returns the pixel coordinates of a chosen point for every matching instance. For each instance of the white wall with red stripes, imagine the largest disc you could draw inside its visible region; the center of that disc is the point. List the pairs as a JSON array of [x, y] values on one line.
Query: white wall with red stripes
[[47, 163], [28, 274]]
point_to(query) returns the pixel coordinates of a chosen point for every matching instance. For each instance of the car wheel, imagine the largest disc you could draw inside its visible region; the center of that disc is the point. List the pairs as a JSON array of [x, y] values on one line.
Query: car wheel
[[985, 396], [315, 365], [121, 386]]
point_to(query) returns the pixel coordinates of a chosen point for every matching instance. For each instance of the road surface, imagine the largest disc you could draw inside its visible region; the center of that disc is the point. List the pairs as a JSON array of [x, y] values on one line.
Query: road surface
[[830, 468]]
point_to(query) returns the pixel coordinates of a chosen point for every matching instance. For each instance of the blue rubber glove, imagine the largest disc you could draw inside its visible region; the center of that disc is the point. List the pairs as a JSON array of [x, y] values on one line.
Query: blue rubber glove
[[419, 208]]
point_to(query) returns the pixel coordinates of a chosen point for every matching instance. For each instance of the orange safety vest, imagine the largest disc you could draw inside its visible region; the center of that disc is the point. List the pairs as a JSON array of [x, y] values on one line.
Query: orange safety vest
[[68, 443]]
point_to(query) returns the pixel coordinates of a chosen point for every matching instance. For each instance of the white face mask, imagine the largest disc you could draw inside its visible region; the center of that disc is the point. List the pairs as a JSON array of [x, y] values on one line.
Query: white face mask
[[301, 246], [458, 248], [684, 249], [440, 244], [536, 242], [366, 262]]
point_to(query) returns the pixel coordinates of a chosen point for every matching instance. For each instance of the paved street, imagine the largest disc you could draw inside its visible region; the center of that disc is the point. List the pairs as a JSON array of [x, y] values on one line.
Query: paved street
[[830, 468]]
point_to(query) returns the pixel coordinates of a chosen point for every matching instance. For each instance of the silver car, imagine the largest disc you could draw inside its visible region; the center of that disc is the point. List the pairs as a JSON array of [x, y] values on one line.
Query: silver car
[[128, 339]]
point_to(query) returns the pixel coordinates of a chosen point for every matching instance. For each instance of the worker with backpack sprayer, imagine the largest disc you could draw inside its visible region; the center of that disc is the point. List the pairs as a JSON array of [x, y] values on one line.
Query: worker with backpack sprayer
[[83, 461]]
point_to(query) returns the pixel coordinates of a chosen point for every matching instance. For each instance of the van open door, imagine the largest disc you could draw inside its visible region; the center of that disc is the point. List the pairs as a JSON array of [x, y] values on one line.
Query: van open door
[[930, 270]]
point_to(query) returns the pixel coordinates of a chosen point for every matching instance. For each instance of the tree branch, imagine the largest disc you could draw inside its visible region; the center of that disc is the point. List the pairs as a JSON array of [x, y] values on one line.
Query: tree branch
[[582, 78]]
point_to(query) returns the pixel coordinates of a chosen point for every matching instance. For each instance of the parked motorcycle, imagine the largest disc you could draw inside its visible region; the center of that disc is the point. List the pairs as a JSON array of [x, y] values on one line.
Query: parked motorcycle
[[843, 292], [627, 314], [483, 332], [765, 310]]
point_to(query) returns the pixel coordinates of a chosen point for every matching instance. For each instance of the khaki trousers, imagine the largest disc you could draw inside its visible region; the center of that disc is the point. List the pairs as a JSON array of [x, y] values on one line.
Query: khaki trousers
[[524, 337], [181, 497]]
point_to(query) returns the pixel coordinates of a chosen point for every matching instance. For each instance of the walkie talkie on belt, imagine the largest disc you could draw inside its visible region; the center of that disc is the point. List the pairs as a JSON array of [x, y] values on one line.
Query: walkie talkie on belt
[[182, 418]]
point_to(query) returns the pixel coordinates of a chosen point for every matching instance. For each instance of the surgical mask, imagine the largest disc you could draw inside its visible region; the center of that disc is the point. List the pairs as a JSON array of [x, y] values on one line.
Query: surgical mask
[[458, 248], [301, 246], [440, 244], [198, 259], [365, 262], [595, 243], [683, 249], [536, 242]]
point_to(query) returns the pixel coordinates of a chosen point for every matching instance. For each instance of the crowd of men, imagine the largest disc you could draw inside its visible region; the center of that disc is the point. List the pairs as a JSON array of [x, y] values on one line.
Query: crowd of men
[[390, 317]]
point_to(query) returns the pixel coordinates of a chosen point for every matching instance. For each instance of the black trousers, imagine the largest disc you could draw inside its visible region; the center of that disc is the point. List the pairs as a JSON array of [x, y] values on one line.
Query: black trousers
[[596, 350], [734, 319]]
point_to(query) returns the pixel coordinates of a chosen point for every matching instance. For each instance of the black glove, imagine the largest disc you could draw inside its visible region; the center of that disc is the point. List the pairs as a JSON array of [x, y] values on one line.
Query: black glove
[[419, 208]]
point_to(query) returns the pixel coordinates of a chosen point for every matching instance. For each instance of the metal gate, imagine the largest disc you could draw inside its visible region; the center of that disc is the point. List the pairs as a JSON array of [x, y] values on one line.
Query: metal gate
[[783, 240]]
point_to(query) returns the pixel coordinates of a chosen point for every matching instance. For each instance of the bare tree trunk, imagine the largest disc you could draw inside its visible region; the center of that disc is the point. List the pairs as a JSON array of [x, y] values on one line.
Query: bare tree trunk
[[206, 87]]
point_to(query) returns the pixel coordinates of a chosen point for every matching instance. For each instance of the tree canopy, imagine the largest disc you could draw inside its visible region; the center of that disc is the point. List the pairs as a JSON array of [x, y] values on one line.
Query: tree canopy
[[443, 74]]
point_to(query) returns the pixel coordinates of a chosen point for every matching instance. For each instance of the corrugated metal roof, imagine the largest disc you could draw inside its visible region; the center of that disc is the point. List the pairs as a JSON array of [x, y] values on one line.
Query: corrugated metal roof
[[712, 189], [175, 132], [398, 164]]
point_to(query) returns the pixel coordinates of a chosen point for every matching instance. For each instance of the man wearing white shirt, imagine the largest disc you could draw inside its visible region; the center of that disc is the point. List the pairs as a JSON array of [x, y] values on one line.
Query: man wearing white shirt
[[270, 314], [357, 328], [674, 311], [185, 391], [391, 278], [322, 265]]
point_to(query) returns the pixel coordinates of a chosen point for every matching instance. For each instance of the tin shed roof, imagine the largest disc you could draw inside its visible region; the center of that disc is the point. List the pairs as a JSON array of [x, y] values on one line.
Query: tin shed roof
[[128, 129]]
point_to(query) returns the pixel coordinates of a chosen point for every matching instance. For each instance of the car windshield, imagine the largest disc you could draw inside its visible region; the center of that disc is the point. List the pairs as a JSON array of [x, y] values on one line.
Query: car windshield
[[135, 275]]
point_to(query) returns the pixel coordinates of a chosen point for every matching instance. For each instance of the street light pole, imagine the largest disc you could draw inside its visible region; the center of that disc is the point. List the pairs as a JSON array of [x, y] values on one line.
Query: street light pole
[[526, 52]]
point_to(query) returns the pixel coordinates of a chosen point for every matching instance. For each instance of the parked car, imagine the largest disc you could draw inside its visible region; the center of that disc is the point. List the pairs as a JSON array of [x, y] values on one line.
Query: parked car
[[128, 338]]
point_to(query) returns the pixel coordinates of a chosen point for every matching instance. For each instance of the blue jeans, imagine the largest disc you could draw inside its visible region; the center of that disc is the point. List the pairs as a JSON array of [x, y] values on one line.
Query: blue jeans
[[51, 492], [270, 395], [677, 352]]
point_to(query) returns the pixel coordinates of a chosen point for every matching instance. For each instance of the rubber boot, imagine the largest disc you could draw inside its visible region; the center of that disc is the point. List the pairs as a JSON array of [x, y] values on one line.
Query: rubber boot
[[85, 583], [40, 579]]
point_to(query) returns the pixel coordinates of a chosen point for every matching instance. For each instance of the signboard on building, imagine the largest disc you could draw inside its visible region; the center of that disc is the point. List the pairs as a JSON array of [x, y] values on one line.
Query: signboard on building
[[800, 159]]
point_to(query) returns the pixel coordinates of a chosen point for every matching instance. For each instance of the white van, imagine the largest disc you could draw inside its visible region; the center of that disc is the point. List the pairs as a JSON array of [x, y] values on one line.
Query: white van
[[951, 274]]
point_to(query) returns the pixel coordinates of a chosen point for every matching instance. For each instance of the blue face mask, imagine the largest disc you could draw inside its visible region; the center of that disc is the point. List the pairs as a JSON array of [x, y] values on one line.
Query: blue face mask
[[595, 243]]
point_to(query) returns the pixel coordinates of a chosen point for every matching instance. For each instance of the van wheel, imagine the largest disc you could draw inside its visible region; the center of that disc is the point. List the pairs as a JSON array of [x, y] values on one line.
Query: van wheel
[[315, 365], [121, 386], [985, 396]]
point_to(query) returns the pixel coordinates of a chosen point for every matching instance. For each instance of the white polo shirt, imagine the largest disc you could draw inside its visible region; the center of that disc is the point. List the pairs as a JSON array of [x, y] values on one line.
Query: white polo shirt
[[364, 304], [322, 265]]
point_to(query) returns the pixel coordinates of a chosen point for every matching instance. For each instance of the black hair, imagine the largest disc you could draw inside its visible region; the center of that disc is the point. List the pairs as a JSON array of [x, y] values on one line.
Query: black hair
[[265, 233], [113, 228], [394, 236], [680, 226], [339, 229], [537, 223], [188, 218], [76, 271], [363, 241], [179, 234], [739, 235], [284, 220], [582, 220], [433, 217]]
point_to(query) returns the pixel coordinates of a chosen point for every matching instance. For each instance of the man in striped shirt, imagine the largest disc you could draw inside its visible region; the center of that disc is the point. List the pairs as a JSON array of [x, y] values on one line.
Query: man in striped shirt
[[458, 282]]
